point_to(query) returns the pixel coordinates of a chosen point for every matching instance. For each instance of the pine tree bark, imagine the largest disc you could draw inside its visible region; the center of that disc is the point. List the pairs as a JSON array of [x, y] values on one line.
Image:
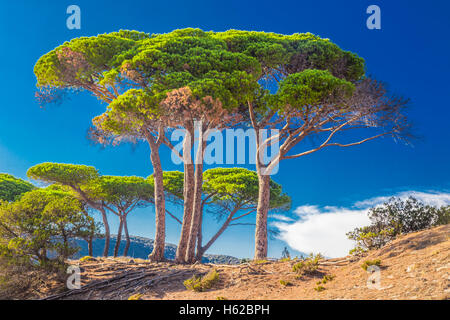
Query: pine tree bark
[[187, 195], [127, 237], [261, 217], [119, 238], [90, 246], [197, 206], [107, 231], [199, 253], [160, 206]]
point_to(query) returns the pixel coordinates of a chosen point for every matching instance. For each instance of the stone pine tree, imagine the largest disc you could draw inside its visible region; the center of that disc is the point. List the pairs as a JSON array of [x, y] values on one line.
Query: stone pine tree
[[126, 65], [204, 83], [301, 84], [96, 64], [310, 88], [135, 115], [121, 195], [203, 115]]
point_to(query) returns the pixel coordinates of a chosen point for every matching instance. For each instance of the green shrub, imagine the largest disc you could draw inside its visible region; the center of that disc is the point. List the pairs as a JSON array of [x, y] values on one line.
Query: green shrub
[[284, 259], [308, 265], [136, 296], [357, 251], [396, 217], [199, 284], [319, 288], [193, 283], [326, 278], [260, 261], [443, 216], [16, 279], [368, 238], [368, 263], [221, 298], [87, 258], [285, 283], [35, 237]]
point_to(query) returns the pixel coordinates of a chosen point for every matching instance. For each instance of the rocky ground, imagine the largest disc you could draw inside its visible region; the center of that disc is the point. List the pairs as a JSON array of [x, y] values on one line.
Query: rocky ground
[[414, 266]]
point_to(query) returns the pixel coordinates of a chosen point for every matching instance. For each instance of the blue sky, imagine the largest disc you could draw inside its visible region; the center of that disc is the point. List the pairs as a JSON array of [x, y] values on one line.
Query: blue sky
[[410, 53]]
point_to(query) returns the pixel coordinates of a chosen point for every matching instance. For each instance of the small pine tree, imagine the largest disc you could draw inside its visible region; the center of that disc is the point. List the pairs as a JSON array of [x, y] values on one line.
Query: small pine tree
[[285, 254]]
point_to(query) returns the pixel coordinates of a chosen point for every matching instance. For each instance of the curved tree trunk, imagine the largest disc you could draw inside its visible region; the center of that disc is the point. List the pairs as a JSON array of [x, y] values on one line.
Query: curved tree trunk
[[107, 232], [127, 236], [188, 197], [160, 207], [224, 226], [261, 217], [119, 238]]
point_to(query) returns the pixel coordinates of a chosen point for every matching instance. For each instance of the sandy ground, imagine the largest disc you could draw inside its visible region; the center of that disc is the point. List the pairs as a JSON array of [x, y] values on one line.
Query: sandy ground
[[414, 266]]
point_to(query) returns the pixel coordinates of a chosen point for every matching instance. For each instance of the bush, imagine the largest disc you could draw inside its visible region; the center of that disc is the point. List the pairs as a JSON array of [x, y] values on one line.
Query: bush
[[368, 238], [443, 216], [357, 251], [200, 284], [393, 218], [326, 278], [285, 283], [368, 263], [15, 279], [319, 288], [308, 265], [260, 261], [35, 233], [87, 258], [136, 296]]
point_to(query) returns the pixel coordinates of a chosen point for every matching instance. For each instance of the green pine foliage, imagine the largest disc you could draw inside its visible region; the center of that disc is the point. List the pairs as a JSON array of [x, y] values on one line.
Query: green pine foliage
[[11, 188]]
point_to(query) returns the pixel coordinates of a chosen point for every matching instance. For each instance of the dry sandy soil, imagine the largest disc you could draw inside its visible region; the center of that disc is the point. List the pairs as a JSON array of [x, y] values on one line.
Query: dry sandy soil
[[414, 266]]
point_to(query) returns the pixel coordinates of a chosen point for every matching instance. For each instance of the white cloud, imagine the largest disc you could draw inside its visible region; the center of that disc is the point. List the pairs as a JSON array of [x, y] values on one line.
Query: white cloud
[[323, 229], [281, 217], [432, 198]]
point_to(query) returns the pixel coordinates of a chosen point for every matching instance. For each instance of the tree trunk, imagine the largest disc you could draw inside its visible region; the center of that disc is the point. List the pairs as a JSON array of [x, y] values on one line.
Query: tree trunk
[[119, 238], [127, 236], [199, 254], [216, 236], [188, 196], [90, 246], [197, 206], [107, 232], [160, 207], [261, 216]]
